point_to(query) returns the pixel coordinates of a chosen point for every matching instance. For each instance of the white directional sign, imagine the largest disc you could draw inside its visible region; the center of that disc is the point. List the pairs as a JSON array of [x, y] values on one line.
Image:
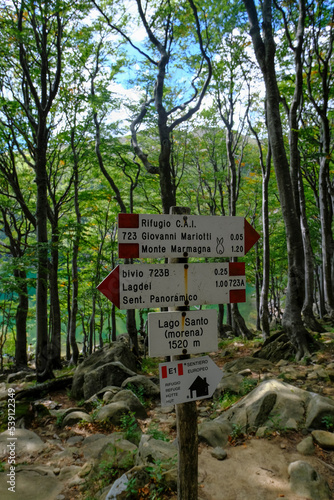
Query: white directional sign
[[182, 332], [132, 286], [184, 236], [188, 380]]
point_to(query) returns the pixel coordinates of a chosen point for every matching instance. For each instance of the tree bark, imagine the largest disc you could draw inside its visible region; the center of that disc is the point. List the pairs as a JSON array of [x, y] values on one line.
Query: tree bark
[[55, 317], [265, 53], [21, 319]]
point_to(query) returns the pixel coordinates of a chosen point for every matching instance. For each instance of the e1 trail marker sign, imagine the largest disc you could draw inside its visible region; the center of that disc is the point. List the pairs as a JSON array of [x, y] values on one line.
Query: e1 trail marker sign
[[132, 286], [183, 236], [182, 332], [188, 380]]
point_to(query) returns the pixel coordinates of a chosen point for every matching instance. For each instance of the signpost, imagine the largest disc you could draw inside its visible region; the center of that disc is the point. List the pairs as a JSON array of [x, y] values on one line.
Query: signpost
[[169, 285], [181, 284], [184, 236], [182, 332], [188, 380]]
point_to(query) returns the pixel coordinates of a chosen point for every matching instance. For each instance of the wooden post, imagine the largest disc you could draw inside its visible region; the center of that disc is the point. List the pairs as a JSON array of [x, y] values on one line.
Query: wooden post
[[186, 421]]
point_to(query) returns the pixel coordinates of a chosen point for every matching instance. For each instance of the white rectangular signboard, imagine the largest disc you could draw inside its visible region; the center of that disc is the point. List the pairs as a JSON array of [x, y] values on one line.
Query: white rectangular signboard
[[182, 332], [132, 286], [188, 380], [166, 235]]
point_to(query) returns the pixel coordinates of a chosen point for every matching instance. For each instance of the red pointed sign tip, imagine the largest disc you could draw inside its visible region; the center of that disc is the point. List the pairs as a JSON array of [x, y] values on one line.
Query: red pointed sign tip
[[251, 236], [110, 287]]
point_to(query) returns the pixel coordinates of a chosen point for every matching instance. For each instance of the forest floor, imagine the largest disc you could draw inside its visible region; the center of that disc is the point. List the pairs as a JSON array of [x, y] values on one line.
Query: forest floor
[[255, 469]]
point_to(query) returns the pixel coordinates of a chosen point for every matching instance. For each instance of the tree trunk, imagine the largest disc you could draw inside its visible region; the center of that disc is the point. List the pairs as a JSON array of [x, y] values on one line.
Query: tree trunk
[[307, 309], [220, 320], [21, 319], [55, 317], [265, 54], [131, 328], [43, 357], [75, 253], [326, 235]]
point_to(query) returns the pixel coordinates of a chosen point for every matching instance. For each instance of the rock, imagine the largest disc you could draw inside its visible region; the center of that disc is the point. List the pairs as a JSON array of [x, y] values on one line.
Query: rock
[[132, 402], [219, 453], [116, 352], [85, 469], [93, 445], [277, 405], [118, 487], [27, 442], [118, 454], [324, 439], [151, 450], [31, 483], [306, 447], [109, 388], [291, 424], [230, 382], [140, 382], [246, 372], [107, 396], [74, 417], [76, 481], [13, 377], [113, 412], [109, 374], [254, 364], [282, 362], [305, 481], [275, 348], [262, 431], [214, 433], [68, 472], [74, 440], [138, 476], [318, 407]]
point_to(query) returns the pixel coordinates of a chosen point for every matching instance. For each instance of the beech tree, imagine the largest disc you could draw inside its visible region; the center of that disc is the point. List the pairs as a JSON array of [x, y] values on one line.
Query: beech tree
[[319, 78], [166, 31], [35, 33], [264, 49]]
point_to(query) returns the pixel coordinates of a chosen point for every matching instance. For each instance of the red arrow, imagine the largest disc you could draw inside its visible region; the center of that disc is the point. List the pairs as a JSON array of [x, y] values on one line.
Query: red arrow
[[110, 286], [251, 236]]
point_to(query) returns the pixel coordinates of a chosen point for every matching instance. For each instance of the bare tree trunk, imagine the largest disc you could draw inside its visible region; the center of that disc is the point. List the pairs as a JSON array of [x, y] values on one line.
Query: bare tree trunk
[[307, 309], [265, 53], [21, 319], [55, 318]]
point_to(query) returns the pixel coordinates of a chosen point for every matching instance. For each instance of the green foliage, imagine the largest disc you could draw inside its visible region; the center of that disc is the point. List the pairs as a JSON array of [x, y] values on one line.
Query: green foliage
[[150, 366], [131, 488], [157, 473], [156, 433], [247, 385], [129, 426], [328, 421], [139, 392], [237, 432], [59, 421], [276, 423], [226, 400], [97, 406]]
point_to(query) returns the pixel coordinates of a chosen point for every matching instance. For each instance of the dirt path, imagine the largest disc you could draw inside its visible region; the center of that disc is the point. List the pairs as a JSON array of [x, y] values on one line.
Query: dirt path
[[255, 470]]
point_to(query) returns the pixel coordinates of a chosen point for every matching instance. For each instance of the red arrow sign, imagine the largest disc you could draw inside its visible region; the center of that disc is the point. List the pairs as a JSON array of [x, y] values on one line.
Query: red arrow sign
[[168, 285], [184, 236]]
